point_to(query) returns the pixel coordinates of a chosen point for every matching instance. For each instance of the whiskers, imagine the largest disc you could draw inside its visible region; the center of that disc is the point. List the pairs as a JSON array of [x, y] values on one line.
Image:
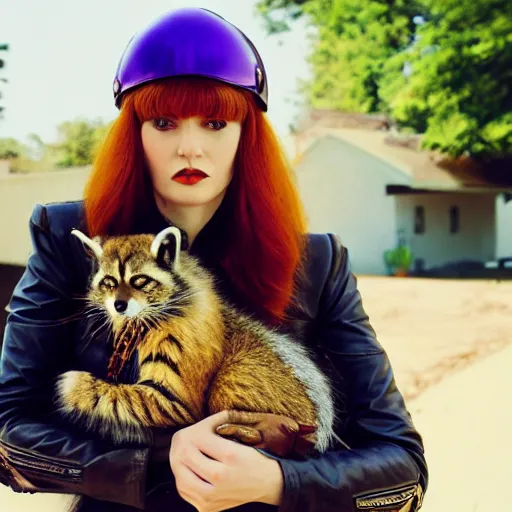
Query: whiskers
[[178, 303], [99, 321], [99, 324], [89, 316], [89, 310], [154, 315], [102, 323]]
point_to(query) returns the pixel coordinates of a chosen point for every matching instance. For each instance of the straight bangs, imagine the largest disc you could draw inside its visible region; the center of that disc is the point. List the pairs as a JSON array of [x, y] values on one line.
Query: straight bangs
[[180, 98], [259, 235]]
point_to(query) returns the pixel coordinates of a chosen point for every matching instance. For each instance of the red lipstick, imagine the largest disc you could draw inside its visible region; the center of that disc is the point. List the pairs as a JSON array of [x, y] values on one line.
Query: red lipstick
[[189, 176]]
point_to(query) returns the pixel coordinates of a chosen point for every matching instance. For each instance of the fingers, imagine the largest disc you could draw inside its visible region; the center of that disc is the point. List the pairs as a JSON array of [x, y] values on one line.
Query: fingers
[[204, 467], [190, 486], [246, 435], [305, 430], [255, 418], [293, 427], [202, 436], [244, 417], [216, 447], [214, 420], [278, 434]]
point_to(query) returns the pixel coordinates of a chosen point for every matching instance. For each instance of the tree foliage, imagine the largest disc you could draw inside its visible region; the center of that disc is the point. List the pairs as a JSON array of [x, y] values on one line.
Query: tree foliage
[[458, 91], [354, 40], [79, 140], [439, 67], [11, 148]]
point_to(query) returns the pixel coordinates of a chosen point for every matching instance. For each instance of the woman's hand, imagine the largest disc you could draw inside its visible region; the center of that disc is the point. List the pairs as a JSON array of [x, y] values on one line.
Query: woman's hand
[[214, 474]]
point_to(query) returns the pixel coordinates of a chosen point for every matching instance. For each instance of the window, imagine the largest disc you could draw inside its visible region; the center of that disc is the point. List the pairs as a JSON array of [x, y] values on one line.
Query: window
[[454, 219], [419, 220]]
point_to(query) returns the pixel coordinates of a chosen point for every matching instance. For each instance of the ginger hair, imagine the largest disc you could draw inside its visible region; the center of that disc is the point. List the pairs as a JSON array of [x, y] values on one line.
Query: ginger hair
[[266, 222]]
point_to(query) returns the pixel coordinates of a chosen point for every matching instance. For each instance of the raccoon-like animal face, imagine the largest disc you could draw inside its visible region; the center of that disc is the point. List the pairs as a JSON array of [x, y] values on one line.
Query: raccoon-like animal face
[[131, 283]]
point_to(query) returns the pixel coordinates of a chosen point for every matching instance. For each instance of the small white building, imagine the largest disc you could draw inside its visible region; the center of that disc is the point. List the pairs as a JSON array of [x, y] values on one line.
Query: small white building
[[368, 186]]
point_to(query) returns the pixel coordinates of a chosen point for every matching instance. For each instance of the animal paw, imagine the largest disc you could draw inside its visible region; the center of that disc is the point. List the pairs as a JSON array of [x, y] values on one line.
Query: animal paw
[[277, 434], [71, 388]]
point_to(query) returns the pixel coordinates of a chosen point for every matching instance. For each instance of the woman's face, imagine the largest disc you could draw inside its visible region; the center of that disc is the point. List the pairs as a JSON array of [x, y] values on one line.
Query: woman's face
[[190, 160]]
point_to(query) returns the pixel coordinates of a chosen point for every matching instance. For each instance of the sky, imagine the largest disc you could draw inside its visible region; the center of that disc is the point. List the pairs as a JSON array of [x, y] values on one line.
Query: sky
[[63, 55]]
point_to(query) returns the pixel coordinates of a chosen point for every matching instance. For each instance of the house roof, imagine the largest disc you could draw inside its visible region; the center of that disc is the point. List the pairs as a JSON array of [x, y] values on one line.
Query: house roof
[[428, 171]]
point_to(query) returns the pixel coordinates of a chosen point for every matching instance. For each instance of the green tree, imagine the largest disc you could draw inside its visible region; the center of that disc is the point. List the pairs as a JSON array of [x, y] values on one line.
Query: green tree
[[78, 144], [34, 156], [439, 67], [355, 38], [278, 13], [458, 86], [11, 148], [79, 141]]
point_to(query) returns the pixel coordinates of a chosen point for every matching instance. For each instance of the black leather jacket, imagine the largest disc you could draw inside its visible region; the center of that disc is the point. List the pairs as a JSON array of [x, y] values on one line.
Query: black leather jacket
[[384, 469]]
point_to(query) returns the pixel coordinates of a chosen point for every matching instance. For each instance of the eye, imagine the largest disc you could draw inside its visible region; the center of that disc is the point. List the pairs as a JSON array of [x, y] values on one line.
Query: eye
[[163, 124], [216, 124], [109, 283], [139, 282]]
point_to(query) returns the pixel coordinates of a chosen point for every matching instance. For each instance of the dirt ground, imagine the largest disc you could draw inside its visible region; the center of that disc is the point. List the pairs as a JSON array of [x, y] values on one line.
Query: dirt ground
[[430, 329], [465, 424]]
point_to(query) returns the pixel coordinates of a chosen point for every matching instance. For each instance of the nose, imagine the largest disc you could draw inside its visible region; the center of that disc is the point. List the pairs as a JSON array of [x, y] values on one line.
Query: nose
[[190, 145], [120, 306]]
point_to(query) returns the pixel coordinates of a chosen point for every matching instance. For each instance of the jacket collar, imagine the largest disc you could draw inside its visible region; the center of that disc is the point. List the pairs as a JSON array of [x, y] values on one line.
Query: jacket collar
[[152, 222]]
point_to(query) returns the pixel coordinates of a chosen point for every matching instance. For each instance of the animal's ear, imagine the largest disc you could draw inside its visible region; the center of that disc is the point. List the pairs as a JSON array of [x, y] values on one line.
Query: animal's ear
[[99, 240], [166, 247], [93, 245]]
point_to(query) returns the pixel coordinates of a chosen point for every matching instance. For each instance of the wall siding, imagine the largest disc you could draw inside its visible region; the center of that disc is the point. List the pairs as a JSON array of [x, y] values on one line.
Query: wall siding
[[344, 192], [18, 196], [476, 239]]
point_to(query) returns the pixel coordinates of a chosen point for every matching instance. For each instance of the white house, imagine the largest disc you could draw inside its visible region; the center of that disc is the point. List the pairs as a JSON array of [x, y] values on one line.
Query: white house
[[367, 186]]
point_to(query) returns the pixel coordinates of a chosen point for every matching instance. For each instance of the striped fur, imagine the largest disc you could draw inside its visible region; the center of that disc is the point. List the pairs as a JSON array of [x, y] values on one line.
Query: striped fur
[[200, 354]]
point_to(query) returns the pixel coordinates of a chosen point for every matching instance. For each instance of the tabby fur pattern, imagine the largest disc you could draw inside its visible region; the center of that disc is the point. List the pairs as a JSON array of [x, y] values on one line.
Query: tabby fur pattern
[[198, 356]]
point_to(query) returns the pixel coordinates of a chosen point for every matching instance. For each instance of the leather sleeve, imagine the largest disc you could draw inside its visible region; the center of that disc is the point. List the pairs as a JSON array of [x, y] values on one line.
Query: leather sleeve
[[385, 468], [36, 453]]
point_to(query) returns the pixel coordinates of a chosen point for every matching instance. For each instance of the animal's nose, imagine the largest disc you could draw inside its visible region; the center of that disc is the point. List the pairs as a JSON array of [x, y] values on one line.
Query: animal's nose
[[120, 306]]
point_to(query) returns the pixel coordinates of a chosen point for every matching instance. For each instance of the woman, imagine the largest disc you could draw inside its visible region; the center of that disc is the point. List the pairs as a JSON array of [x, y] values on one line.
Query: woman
[[192, 147]]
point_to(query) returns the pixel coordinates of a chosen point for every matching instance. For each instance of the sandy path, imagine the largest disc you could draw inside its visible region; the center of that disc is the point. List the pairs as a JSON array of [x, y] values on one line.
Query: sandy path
[[429, 328]]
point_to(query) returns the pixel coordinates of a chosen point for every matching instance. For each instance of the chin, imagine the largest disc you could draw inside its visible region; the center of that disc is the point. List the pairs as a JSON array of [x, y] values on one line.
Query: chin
[[193, 197]]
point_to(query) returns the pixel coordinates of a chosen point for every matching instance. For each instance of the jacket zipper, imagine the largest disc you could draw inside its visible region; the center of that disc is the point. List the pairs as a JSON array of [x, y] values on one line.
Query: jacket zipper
[[25, 461], [389, 499]]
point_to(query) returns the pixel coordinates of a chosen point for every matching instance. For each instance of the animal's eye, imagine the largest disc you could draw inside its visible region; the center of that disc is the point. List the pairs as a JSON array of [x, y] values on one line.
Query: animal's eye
[[109, 283], [139, 282]]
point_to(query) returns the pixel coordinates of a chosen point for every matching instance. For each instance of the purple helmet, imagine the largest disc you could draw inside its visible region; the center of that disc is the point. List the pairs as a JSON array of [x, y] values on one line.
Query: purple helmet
[[193, 42]]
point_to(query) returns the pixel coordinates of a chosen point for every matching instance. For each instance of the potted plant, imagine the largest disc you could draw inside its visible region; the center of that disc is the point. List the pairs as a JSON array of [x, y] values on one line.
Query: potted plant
[[399, 260]]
